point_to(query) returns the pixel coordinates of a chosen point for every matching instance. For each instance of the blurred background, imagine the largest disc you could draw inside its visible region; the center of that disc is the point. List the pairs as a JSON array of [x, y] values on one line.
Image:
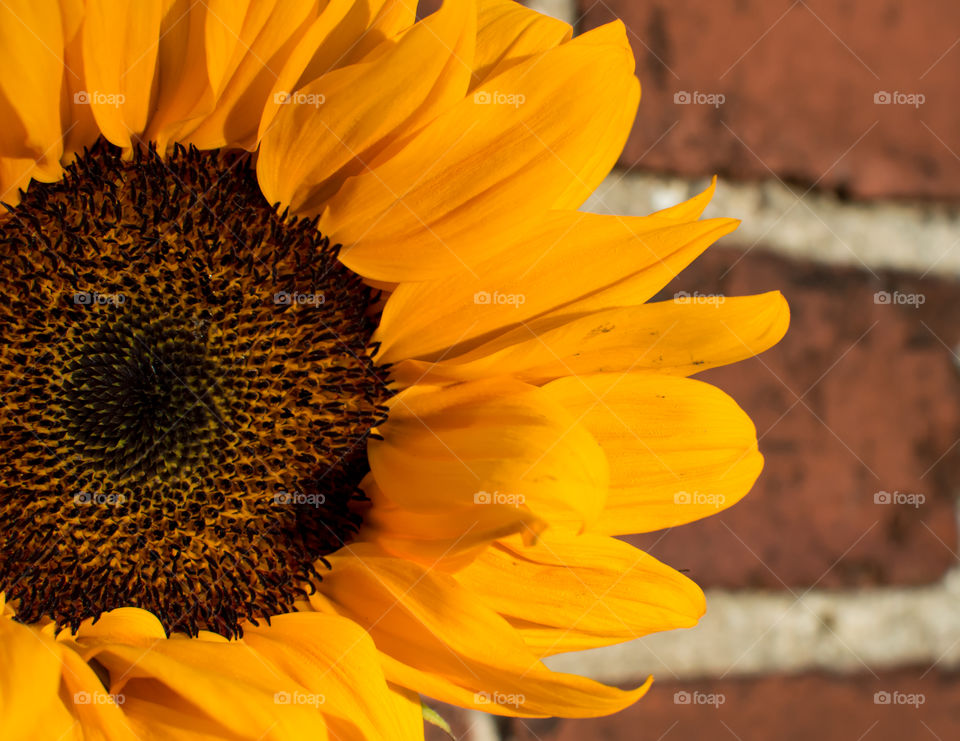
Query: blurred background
[[833, 590]]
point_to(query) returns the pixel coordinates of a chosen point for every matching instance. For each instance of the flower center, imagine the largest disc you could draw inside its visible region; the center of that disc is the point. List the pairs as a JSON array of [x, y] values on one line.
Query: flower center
[[185, 395]]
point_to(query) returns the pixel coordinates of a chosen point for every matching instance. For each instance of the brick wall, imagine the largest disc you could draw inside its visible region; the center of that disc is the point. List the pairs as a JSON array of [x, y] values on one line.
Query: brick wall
[[834, 588]]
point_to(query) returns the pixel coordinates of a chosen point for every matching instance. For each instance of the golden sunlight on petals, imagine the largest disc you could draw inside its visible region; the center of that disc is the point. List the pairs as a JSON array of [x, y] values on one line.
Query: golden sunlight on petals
[[172, 684], [120, 45], [679, 449], [403, 221], [79, 126], [448, 645], [335, 661], [446, 537], [245, 58], [336, 124], [31, 55], [630, 260], [30, 704], [570, 592], [508, 33], [674, 337], [494, 442]]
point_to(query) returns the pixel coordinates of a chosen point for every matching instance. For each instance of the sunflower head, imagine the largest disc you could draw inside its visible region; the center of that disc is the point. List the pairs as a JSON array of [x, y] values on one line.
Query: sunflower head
[[187, 394]]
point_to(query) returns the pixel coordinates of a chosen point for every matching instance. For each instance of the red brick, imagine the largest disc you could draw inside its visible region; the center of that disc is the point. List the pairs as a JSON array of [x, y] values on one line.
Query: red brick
[[799, 80], [815, 706], [426, 7], [880, 411]]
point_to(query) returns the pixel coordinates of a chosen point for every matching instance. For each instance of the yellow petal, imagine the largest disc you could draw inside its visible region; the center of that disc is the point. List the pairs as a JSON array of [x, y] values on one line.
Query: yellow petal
[[31, 56], [343, 34], [30, 704], [679, 337], [245, 71], [445, 537], [679, 449], [336, 662], [440, 640], [80, 127], [349, 34], [339, 122], [489, 443], [208, 687], [128, 625], [508, 33], [120, 44], [630, 259], [448, 197], [15, 176], [99, 715], [580, 591], [184, 92], [408, 707]]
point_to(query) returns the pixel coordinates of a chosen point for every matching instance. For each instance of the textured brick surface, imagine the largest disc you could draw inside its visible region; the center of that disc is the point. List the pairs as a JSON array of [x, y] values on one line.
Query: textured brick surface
[[859, 398], [799, 79], [821, 707]]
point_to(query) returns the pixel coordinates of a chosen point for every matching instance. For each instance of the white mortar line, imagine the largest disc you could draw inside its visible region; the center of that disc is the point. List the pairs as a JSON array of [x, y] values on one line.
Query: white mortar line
[[565, 10], [914, 237], [483, 727]]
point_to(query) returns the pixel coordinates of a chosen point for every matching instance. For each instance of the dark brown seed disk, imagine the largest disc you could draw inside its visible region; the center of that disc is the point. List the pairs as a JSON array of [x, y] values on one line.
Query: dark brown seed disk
[[185, 395]]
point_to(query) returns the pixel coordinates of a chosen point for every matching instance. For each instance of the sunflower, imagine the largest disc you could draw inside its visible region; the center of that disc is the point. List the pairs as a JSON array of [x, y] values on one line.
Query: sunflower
[[319, 393]]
